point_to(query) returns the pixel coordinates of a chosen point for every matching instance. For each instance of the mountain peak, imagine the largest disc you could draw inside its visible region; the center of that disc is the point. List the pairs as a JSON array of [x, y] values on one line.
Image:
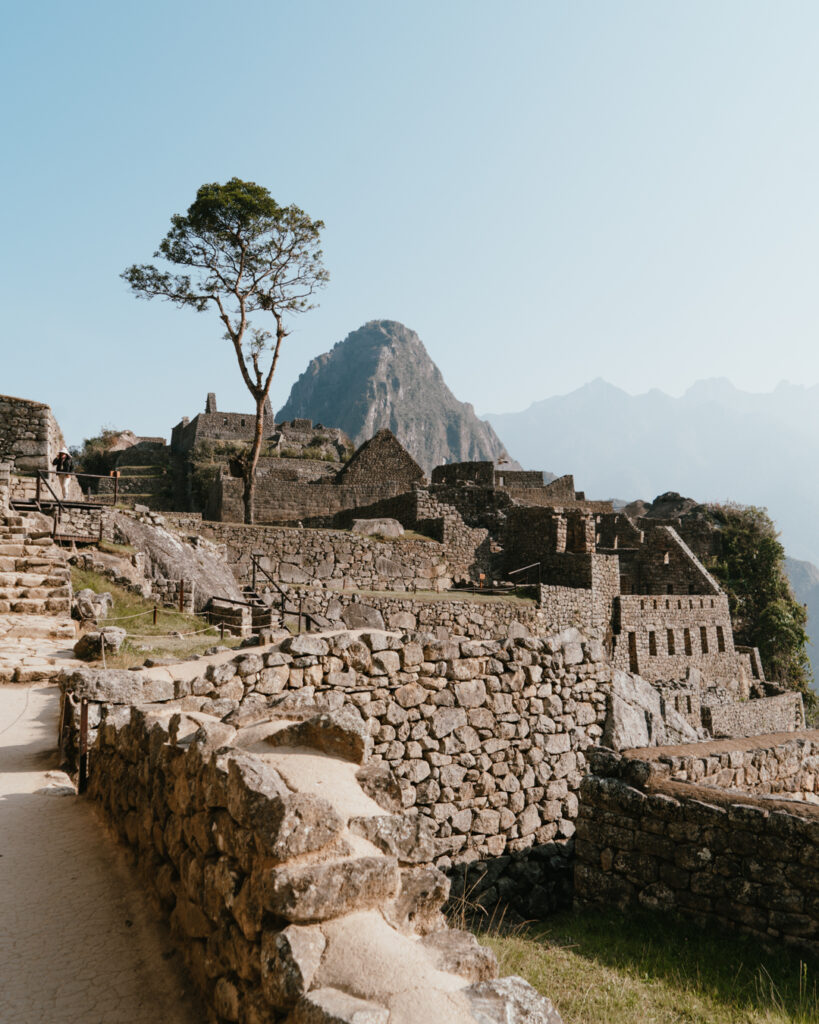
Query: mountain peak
[[381, 375]]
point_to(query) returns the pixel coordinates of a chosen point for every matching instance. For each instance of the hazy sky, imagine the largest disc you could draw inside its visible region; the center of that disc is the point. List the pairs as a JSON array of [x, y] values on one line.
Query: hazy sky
[[546, 191]]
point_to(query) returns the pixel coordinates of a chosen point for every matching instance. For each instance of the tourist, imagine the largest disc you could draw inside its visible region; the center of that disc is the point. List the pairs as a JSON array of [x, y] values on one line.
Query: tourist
[[64, 465]]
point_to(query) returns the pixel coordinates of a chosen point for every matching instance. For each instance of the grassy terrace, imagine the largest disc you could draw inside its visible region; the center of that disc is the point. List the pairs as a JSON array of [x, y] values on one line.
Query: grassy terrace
[[146, 640], [603, 968]]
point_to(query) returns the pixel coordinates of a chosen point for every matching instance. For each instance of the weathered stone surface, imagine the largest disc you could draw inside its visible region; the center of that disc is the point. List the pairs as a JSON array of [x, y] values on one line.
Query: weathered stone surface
[[303, 644], [90, 645], [626, 725], [379, 783], [288, 824], [409, 839], [340, 734], [362, 616], [417, 907], [510, 1001], [116, 686], [290, 959], [378, 527], [331, 1006], [318, 892], [88, 605], [459, 952]]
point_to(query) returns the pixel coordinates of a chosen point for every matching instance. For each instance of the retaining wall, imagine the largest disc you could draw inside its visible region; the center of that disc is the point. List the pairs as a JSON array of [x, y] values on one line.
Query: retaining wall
[[700, 852]]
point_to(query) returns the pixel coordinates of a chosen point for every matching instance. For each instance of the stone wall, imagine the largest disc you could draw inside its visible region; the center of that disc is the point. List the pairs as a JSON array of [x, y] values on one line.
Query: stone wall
[[664, 564], [486, 738], [665, 846], [282, 900], [783, 713], [29, 435], [789, 767], [663, 637], [291, 501], [475, 620], [333, 557]]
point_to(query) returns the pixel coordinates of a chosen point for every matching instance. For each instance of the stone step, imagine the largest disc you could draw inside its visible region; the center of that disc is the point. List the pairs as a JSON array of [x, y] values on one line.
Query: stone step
[[14, 550]]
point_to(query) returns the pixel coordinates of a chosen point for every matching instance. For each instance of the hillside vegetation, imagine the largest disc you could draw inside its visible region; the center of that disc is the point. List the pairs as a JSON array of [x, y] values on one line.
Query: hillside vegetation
[[751, 570]]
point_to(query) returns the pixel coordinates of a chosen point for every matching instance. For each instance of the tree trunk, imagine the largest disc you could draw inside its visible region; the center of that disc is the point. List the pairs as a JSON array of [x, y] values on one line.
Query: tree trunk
[[250, 467]]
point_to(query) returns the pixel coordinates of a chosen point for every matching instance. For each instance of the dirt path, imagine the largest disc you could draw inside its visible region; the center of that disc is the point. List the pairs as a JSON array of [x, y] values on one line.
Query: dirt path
[[78, 943]]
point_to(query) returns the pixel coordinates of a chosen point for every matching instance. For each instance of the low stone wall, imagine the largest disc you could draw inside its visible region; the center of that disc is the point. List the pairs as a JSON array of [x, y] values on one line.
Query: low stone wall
[[745, 865], [475, 620], [755, 717], [762, 767], [333, 557], [485, 738], [289, 906]]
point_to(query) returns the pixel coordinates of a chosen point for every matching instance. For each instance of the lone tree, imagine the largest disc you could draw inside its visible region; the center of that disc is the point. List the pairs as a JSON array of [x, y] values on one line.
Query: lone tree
[[245, 255]]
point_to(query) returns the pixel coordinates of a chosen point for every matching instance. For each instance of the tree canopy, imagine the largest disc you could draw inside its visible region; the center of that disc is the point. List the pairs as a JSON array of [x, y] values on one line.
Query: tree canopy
[[254, 262], [751, 570]]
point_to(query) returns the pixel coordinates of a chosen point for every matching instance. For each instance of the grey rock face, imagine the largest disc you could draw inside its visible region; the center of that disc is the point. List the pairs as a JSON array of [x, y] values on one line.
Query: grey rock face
[[337, 733], [318, 892], [407, 839], [382, 376], [88, 605], [361, 616], [169, 557], [90, 645], [510, 1001], [330, 1006], [460, 953], [379, 527]]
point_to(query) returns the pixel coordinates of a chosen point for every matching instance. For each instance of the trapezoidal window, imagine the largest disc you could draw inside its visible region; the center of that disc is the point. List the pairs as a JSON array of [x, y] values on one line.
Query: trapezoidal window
[[652, 643], [687, 641], [633, 665], [704, 639], [669, 639], [720, 640], [669, 588]]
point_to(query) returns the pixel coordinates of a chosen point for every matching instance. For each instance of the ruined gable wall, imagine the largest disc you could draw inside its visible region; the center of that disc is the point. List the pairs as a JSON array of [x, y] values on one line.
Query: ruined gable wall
[[663, 561], [726, 862], [30, 437], [454, 473]]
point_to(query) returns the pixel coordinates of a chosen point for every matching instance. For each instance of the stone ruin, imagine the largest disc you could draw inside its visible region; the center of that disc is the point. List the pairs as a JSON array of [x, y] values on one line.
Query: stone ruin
[[488, 717]]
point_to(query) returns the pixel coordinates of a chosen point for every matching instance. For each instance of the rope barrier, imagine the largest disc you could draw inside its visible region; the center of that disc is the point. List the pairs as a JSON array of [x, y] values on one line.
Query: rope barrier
[[122, 618], [176, 635]]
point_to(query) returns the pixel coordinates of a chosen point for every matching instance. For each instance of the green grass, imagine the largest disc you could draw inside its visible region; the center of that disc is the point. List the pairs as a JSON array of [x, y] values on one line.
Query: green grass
[[110, 548], [604, 968], [146, 640]]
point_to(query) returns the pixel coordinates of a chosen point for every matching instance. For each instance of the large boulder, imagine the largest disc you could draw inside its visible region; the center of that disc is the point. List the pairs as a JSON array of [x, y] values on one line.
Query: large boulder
[[89, 606], [378, 527], [170, 557], [90, 645]]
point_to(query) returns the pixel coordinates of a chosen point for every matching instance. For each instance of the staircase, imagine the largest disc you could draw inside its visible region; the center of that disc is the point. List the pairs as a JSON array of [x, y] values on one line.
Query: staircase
[[34, 575]]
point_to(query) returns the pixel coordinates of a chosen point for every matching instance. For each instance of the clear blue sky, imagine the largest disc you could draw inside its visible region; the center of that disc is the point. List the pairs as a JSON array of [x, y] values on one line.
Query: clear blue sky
[[546, 191]]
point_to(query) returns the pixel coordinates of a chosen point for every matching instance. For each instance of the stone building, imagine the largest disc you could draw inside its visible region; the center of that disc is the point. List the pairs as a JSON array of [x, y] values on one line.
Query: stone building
[[30, 436]]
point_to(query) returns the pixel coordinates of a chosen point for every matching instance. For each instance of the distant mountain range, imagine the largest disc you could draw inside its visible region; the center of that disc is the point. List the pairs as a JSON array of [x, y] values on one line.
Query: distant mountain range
[[715, 442], [382, 376]]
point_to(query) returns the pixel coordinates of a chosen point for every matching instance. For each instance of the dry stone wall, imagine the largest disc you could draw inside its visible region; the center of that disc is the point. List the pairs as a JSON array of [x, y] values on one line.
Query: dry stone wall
[[703, 853], [289, 907], [334, 557], [789, 767], [29, 435]]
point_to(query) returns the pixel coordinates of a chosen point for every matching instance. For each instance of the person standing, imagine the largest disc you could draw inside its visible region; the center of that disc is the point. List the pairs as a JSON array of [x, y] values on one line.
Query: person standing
[[64, 466]]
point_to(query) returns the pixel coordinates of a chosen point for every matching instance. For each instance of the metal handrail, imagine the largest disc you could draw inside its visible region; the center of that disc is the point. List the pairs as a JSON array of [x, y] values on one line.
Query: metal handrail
[[526, 569], [256, 564]]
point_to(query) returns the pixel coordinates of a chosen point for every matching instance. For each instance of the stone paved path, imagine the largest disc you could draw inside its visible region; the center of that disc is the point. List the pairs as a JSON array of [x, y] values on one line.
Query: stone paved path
[[78, 944]]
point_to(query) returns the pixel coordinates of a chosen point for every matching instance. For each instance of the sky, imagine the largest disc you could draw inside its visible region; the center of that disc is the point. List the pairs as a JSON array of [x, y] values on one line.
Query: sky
[[547, 192]]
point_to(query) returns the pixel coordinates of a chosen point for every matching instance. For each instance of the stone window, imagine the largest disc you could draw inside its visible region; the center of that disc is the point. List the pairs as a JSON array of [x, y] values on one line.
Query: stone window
[[667, 558], [687, 641], [633, 665], [669, 639], [704, 639], [652, 643], [642, 606], [655, 602], [669, 588], [720, 640]]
